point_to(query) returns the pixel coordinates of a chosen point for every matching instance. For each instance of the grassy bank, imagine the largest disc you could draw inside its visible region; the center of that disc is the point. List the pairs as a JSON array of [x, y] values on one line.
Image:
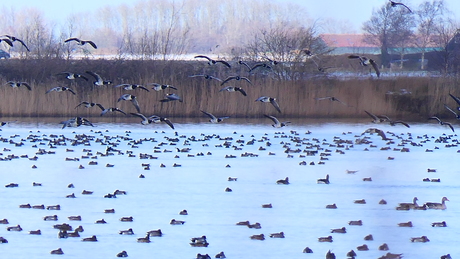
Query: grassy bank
[[295, 97]]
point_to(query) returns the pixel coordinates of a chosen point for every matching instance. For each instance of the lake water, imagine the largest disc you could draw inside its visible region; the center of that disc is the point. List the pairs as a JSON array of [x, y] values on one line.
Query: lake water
[[199, 184]]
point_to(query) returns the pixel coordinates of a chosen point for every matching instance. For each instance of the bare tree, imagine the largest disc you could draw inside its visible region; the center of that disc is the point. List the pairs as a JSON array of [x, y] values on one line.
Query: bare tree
[[389, 28], [429, 16], [449, 41]]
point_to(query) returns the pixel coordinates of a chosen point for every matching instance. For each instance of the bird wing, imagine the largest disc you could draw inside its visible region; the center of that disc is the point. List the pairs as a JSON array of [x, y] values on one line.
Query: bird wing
[[273, 118], [143, 88], [210, 115], [244, 64], [70, 90], [83, 77], [81, 104], [142, 116], [100, 106], [96, 76], [52, 89], [275, 104], [449, 109], [165, 120], [402, 122], [119, 110], [375, 118], [135, 103], [246, 79], [7, 42], [121, 85], [23, 44], [456, 99], [260, 99], [26, 85], [256, 66], [354, 56], [375, 66], [450, 126], [91, 43], [202, 56], [123, 97], [224, 62], [72, 39], [241, 90], [323, 98], [435, 118], [228, 79], [172, 87]]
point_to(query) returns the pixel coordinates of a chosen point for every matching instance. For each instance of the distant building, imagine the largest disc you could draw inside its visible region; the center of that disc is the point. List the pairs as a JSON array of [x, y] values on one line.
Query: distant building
[[357, 44]]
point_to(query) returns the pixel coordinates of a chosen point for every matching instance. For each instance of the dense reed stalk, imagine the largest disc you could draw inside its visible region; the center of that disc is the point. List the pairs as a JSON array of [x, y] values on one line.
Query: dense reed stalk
[[296, 97]]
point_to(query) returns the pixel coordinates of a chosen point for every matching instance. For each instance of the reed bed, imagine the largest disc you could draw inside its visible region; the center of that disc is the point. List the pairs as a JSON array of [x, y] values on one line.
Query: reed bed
[[296, 97]]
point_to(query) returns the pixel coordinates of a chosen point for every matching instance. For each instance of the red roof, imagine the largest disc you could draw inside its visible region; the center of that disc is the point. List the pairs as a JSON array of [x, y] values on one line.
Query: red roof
[[346, 40]]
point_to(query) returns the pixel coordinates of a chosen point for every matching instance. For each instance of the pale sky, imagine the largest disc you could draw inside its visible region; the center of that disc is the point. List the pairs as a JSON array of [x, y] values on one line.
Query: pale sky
[[355, 11]]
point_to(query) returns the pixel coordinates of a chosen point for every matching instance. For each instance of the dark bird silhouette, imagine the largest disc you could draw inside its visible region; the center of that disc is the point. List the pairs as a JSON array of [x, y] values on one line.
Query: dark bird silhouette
[[60, 89], [89, 105], [153, 119], [113, 109], [207, 77], [330, 98], [273, 62], [378, 131], [261, 65], [375, 119], [171, 97], [266, 99], [76, 122], [132, 98], [238, 78], [7, 41], [277, 124], [457, 100], [81, 42], [392, 122], [364, 61], [159, 87], [13, 39], [233, 89], [241, 62], [452, 111], [73, 76], [213, 62], [330, 255], [394, 4], [16, 84], [132, 87], [99, 81], [215, 119], [442, 122]]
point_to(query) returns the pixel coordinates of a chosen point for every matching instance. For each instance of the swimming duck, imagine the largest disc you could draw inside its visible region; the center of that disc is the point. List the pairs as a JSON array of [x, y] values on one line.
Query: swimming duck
[[410, 205], [176, 222], [325, 239], [438, 206], [267, 99], [362, 248], [74, 218], [90, 239], [369, 237], [220, 255], [100, 221], [384, 247], [342, 230], [205, 256], [155, 233], [233, 89], [331, 206], [255, 225], [213, 62], [122, 254], [53, 207], [82, 42], [405, 224], [277, 235], [145, 239], [14, 228], [355, 223], [50, 218], [132, 98], [4, 221], [422, 239], [324, 180], [307, 250], [258, 237], [351, 254], [60, 89], [16, 84], [267, 206], [126, 219], [283, 181], [391, 256], [214, 119], [57, 252], [439, 224], [126, 232], [183, 212], [35, 232]]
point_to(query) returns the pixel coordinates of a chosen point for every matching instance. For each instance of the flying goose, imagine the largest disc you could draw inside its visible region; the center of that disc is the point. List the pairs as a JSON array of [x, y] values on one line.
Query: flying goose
[[330, 98], [159, 87], [214, 119], [16, 84], [153, 119], [392, 122], [76, 122], [375, 119], [89, 105], [364, 61], [378, 131], [394, 4], [233, 89], [132, 98], [238, 78], [81, 42], [7, 42], [207, 77], [266, 99], [442, 122], [99, 81], [241, 62], [261, 65], [13, 39], [273, 62], [113, 109], [171, 97], [449, 109], [132, 87], [213, 62], [277, 124], [457, 100], [73, 76], [60, 89]]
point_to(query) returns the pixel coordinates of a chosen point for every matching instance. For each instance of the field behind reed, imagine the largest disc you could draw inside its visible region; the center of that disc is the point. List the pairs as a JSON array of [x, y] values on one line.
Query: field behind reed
[[295, 96]]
